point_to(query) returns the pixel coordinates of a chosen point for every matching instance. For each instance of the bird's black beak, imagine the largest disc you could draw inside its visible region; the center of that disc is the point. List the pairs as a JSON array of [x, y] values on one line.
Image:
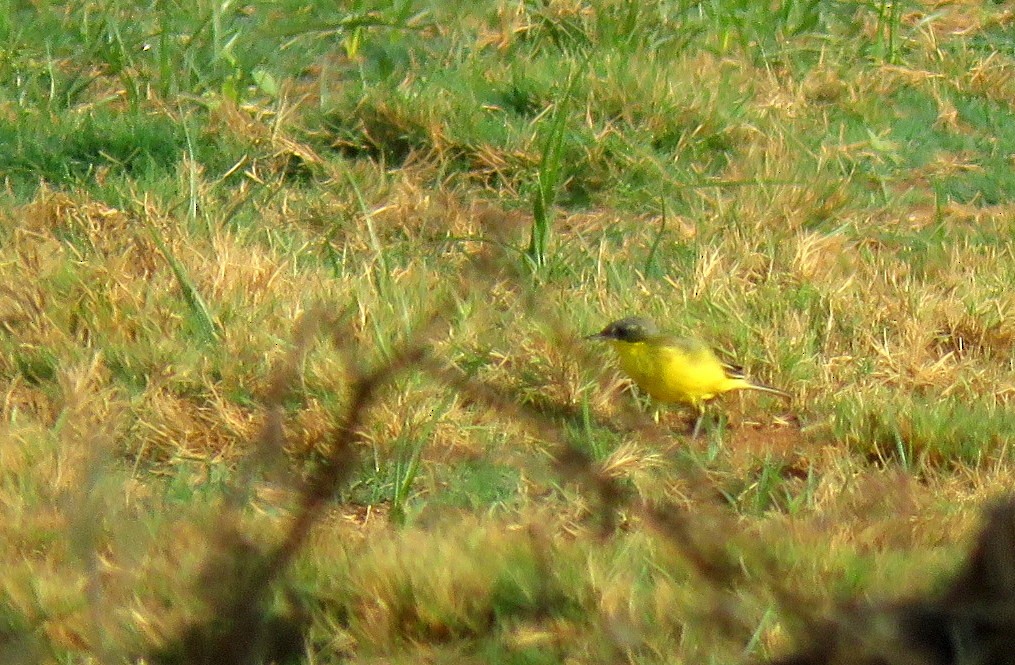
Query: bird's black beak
[[599, 335]]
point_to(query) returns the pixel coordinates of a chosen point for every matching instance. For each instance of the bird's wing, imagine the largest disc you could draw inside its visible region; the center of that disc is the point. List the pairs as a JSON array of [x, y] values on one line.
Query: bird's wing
[[733, 371], [695, 348], [686, 345]]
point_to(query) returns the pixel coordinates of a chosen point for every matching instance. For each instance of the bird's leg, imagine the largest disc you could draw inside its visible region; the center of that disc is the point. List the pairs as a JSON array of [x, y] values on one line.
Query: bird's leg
[[697, 423]]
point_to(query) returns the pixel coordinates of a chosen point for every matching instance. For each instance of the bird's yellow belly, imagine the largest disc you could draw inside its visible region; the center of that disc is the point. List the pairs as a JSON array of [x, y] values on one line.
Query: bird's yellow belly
[[670, 375]]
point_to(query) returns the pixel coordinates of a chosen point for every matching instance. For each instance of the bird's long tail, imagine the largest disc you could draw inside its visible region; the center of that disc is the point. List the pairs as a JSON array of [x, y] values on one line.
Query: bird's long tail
[[737, 372], [753, 385]]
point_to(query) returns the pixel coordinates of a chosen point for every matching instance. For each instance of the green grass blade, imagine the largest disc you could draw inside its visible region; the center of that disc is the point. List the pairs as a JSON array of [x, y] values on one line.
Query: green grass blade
[[191, 295], [548, 179]]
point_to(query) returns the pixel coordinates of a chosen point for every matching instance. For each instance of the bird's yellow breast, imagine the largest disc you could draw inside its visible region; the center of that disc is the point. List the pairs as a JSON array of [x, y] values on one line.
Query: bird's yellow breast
[[682, 371]]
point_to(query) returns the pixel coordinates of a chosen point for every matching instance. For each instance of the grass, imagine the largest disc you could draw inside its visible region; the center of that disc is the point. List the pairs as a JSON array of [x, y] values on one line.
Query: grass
[[217, 220]]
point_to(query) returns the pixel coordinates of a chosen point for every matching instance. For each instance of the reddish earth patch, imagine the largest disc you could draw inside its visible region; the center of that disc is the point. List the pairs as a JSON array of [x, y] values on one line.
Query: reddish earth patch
[[749, 443], [363, 515]]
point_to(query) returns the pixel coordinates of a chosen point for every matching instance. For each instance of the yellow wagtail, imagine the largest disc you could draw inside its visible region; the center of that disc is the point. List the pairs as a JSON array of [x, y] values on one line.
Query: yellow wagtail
[[674, 369]]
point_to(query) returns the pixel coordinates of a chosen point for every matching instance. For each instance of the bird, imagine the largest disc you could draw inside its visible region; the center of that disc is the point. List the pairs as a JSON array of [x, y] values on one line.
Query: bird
[[675, 370]]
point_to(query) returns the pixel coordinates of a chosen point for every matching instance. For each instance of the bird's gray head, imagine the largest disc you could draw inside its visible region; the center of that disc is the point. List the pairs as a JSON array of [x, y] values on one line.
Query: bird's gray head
[[631, 329]]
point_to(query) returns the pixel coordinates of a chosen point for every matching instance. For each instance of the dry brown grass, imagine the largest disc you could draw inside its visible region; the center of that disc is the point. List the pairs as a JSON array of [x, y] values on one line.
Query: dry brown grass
[[432, 584], [162, 492]]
